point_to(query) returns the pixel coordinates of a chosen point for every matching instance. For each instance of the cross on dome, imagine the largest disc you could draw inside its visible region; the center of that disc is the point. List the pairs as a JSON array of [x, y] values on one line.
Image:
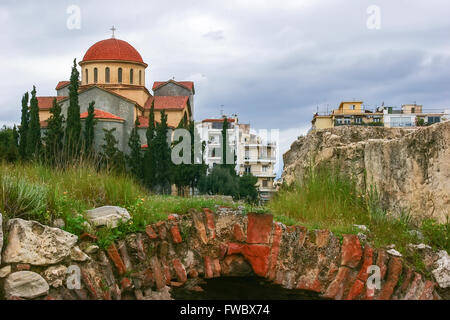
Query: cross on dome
[[113, 29]]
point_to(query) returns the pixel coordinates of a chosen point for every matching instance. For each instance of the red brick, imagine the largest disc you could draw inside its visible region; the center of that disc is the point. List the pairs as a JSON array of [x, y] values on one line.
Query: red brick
[[23, 266], [172, 217], [157, 273], [49, 297], [275, 250], [368, 261], [140, 248], [197, 289], [407, 280], [336, 288], [147, 277], [310, 281], [411, 294], [209, 268], [88, 236], [176, 236], [222, 250], [427, 292], [394, 271], [125, 284], [179, 270], [107, 295], [116, 259], [151, 233], [210, 223], [259, 228], [302, 236], [356, 290], [257, 255], [89, 285], [382, 260], [351, 251], [176, 284], [162, 230], [238, 233], [193, 273], [217, 268]]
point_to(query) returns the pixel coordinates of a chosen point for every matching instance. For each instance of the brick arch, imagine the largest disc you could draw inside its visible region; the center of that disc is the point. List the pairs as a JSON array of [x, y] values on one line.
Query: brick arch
[[211, 244]]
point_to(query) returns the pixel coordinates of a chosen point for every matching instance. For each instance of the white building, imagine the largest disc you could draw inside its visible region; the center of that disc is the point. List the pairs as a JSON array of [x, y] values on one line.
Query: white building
[[253, 154]]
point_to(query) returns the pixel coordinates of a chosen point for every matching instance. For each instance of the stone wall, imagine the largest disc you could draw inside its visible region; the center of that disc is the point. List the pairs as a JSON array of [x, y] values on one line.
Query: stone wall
[[183, 250], [410, 168]]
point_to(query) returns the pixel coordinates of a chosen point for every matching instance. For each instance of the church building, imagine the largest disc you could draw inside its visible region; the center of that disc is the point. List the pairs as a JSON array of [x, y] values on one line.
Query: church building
[[113, 75]]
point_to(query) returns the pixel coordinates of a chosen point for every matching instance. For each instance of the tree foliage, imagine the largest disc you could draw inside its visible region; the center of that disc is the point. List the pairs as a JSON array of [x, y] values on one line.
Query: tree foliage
[[34, 142]]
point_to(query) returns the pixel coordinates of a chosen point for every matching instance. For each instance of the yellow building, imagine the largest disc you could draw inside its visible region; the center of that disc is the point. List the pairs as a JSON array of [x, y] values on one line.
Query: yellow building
[[349, 112]]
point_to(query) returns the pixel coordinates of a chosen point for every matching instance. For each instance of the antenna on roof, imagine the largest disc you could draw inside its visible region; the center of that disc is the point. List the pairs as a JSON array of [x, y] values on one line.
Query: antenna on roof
[[221, 110], [113, 29]]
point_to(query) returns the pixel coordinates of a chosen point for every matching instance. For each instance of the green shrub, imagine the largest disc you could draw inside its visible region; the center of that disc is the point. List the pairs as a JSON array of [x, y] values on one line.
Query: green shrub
[[437, 234]]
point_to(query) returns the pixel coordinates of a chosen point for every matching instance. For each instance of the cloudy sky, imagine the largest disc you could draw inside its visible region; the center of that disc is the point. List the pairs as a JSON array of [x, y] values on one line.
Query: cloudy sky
[[274, 63]]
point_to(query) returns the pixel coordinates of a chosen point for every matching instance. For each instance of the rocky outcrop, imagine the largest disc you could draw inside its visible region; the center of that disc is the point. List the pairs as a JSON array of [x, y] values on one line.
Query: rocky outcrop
[[25, 284], [184, 249], [109, 216], [1, 237], [33, 243], [442, 271], [409, 167]]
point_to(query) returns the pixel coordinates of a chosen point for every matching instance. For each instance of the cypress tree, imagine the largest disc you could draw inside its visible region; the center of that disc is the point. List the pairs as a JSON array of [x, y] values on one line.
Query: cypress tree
[[89, 129], [73, 127], [161, 153], [23, 130], [34, 131], [113, 157], [149, 159], [135, 158], [54, 137]]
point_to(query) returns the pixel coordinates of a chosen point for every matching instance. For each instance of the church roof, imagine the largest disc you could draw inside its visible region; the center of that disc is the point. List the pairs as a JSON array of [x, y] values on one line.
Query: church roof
[[112, 49], [186, 84], [46, 103], [167, 102], [100, 114], [62, 84]]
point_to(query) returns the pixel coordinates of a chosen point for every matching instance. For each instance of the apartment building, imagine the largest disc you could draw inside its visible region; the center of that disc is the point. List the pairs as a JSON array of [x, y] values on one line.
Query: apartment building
[[253, 154]]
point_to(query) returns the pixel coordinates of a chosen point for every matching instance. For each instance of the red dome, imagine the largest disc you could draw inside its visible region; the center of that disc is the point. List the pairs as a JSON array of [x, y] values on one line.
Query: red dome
[[112, 49]]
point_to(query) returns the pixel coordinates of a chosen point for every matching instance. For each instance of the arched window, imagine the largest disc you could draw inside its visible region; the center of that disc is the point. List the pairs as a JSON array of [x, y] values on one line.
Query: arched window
[[107, 75], [95, 75], [119, 75], [140, 77], [131, 76], [87, 76]]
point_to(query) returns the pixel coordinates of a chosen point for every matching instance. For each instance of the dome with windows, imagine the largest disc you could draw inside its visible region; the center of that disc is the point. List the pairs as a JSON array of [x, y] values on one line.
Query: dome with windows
[[112, 49]]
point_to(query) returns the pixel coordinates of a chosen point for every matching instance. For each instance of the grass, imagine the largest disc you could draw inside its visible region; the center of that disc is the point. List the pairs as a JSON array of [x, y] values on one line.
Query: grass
[[33, 191], [327, 200]]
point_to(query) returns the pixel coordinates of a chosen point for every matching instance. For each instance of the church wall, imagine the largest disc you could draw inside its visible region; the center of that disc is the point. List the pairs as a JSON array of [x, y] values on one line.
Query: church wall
[[114, 69], [99, 134], [171, 89], [139, 95], [63, 92]]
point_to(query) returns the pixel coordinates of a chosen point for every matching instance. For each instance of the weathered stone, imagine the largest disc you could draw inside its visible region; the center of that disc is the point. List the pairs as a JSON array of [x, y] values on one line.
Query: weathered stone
[[124, 254], [199, 226], [427, 292], [151, 232], [59, 223], [275, 250], [157, 273], [394, 253], [238, 233], [381, 156], [36, 244], [236, 265], [351, 251], [55, 275], [322, 237], [25, 284], [23, 267], [209, 268], [91, 249], [442, 269], [356, 290], [382, 260], [411, 294], [259, 228], [109, 216], [126, 284], [5, 271], [310, 281], [161, 294], [77, 255], [361, 227]]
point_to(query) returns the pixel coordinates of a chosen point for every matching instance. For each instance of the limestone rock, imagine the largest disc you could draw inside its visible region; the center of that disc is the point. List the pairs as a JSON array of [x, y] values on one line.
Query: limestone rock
[[92, 249], [36, 244], [394, 253], [77, 255], [107, 216], [5, 271], [59, 223], [442, 271], [55, 275], [409, 167], [25, 284]]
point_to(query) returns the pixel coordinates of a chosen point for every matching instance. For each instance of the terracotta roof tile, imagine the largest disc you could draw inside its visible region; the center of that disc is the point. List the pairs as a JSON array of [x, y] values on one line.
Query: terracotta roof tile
[[62, 84], [112, 49], [167, 102], [100, 114], [47, 102], [187, 84]]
